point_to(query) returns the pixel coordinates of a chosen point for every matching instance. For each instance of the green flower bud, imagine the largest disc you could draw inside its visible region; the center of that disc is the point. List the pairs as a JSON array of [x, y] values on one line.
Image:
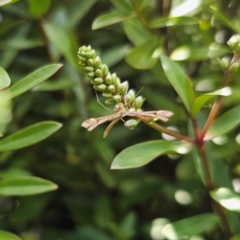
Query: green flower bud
[[91, 54], [107, 95], [131, 123], [111, 89], [97, 62], [225, 63], [108, 79], [83, 59], [98, 80], [93, 83], [81, 53], [83, 64], [123, 87], [131, 93], [101, 87], [110, 101], [234, 67], [104, 70], [99, 73], [89, 69], [130, 96], [233, 42], [117, 98], [90, 62], [114, 78], [91, 75], [138, 102]]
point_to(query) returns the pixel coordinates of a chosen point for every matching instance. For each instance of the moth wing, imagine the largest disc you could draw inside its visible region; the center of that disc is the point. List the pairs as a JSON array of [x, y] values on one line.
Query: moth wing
[[90, 124], [163, 115]]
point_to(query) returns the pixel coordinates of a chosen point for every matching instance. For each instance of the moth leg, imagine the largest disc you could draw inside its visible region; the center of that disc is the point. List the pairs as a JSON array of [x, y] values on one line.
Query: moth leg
[[110, 126]]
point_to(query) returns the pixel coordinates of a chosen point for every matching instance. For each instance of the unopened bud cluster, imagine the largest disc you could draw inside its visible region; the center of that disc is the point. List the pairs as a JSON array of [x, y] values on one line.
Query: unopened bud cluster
[[232, 65], [107, 83]]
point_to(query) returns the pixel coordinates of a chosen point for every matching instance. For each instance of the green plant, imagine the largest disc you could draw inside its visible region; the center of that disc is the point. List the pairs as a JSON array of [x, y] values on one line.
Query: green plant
[[202, 125], [23, 185]]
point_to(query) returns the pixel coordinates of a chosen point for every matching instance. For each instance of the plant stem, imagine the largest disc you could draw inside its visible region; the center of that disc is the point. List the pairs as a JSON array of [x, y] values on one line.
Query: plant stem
[[165, 130], [217, 104]]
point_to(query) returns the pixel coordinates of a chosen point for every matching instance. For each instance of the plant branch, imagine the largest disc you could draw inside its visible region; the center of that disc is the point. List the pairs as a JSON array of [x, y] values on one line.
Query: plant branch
[[217, 104], [165, 130]]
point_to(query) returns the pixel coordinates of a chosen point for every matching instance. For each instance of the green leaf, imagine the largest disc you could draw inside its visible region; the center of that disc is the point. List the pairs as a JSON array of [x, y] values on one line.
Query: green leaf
[[196, 53], [8, 236], [185, 7], [4, 79], [122, 5], [172, 21], [78, 11], [111, 18], [114, 55], [227, 198], [136, 32], [228, 121], [226, 20], [22, 186], [52, 85], [7, 57], [143, 153], [32, 80], [188, 227], [20, 43], [145, 56], [202, 99], [6, 2], [64, 41], [29, 135], [38, 8], [179, 81]]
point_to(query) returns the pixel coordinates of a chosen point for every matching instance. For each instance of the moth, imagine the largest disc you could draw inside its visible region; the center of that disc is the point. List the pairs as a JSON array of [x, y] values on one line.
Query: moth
[[92, 123]]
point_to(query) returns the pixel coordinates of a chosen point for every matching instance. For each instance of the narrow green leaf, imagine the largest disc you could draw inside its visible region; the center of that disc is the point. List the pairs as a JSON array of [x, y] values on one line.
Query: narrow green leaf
[[228, 121], [226, 20], [185, 7], [52, 85], [122, 5], [32, 80], [172, 21], [145, 56], [179, 81], [20, 43], [202, 99], [29, 135], [64, 41], [4, 79], [7, 57], [38, 8], [6, 2], [78, 11], [111, 18], [22, 186], [114, 55], [227, 198], [136, 32], [8, 236], [198, 53], [188, 227], [143, 153]]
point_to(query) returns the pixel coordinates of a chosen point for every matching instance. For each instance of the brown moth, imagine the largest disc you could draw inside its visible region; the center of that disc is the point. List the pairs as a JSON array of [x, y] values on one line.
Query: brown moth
[[92, 123]]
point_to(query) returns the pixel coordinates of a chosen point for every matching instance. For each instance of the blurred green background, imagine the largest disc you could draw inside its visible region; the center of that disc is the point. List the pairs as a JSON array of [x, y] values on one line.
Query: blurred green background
[[94, 202]]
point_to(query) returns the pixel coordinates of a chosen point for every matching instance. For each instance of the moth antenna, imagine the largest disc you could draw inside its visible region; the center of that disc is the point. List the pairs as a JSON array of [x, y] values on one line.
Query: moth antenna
[[101, 103], [139, 91]]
